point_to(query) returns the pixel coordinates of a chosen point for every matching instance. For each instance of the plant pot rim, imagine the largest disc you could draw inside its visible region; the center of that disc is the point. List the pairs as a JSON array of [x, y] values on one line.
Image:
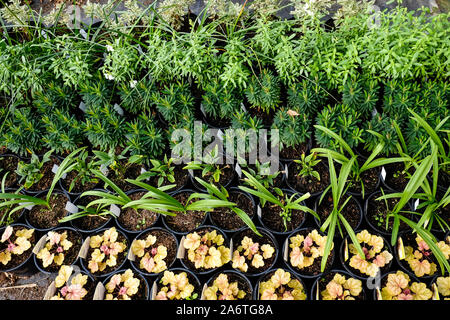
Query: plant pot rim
[[286, 178], [296, 276], [412, 278], [344, 272], [27, 260], [236, 273], [123, 270], [178, 271]]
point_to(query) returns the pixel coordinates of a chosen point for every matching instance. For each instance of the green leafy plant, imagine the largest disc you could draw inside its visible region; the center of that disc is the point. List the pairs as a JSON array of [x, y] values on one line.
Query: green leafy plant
[[136, 96], [261, 172], [263, 91], [307, 96], [294, 128], [219, 101], [174, 101], [306, 166], [381, 128], [360, 94], [30, 173], [83, 166], [163, 170]]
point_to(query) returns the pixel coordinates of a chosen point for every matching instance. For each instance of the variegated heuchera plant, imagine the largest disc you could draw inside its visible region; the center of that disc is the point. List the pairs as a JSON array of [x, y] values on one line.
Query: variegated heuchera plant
[[443, 285], [151, 256], [375, 257], [206, 251], [176, 287], [54, 249], [304, 250], [281, 286], [340, 288], [222, 289], [252, 252], [17, 243], [420, 258], [106, 250], [122, 286], [73, 291], [399, 287]]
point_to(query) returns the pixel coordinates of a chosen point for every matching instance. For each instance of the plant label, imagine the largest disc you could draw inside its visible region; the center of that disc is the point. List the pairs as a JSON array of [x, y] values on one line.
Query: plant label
[[243, 107], [435, 292], [202, 109], [416, 204], [383, 173], [374, 112], [131, 255], [44, 34], [231, 250], [139, 49], [259, 211], [191, 172], [55, 170], [40, 244], [154, 289], [51, 290], [99, 293], [202, 297], [238, 170], [83, 33], [286, 170], [70, 207], [118, 109], [400, 249], [104, 170], [27, 207], [115, 210], [285, 249], [346, 250], [181, 250], [82, 106], [84, 248]]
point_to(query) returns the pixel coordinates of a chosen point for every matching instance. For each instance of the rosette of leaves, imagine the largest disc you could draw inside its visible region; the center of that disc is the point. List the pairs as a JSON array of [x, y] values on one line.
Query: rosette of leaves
[[251, 252], [96, 92], [220, 101], [206, 251], [54, 97], [443, 286], [104, 127], [360, 94], [55, 247], [14, 243], [176, 287], [263, 91], [340, 288], [342, 120], [122, 286], [145, 139], [399, 95], [282, 286], [106, 249], [174, 101], [243, 124], [304, 250], [23, 131], [151, 256], [400, 287], [163, 170], [375, 256], [75, 290], [63, 132], [122, 60], [294, 128], [307, 96], [30, 173], [419, 257], [223, 289], [136, 97], [381, 128]]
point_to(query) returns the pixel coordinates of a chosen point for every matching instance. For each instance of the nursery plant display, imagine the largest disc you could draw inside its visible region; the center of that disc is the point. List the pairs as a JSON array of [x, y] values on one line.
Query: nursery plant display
[[150, 152]]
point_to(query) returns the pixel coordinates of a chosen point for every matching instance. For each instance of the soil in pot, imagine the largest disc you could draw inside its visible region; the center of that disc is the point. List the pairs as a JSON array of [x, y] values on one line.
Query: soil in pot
[[377, 212], [46, 181], [351, 211], [271, 217], [181, 178], [185, 221], [309, 184], [133, 171], [227, 174], [232, 277], [70, 256], [17, 260], [141, 294], [6, 218], [314, 269], [327, 278], [265, 239], [43, 218], [369, 178], [396, 179], [137, 220], [8, 164], [90, 222], [78, 186], [294, 152], [163, 238], [225, 218]]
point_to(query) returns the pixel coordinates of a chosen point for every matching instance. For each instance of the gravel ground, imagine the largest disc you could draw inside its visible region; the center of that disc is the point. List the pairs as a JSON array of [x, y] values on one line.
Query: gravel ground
[[25, 286]]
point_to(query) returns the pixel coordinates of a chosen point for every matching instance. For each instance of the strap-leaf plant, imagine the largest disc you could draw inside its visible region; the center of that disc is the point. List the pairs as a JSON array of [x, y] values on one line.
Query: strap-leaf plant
[[279, 198]]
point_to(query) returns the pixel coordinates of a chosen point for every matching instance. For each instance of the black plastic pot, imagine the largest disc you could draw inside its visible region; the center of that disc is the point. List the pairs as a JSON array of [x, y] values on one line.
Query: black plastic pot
[[199, 187], [289, 169], [286, 191], [387, 246], [348, 275], [192, 278], [135, 232], [169, 264], [19, 217], [27, 265], [366, 194], [13, 185], [73, 195], [44, 193], [38, 264], [266, 277], [288, 161], [275, 245], [166, 225], [87, 232], [412, 278], [142, 278], [226, 243], [293, 269], [235, 273], [33, 192], [118, 267], [231, 190], [337, 234]]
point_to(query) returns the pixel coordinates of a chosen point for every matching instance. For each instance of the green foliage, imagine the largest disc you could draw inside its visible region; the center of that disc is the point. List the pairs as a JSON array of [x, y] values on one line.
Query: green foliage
[[136, 97], [307, 96], [30, 173], [96, 92], [174, 101], [163, 170], [306, 165], [398, 97], [219, 101], [361, 95], [55, 96], [294, 128], [83, 166], [381, 128], [122, 61], [263, 91]]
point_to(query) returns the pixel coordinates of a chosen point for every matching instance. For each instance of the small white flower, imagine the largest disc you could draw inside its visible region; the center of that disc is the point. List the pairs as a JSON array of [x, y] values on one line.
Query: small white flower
[[108, 76], [133, 83], [109, 48]]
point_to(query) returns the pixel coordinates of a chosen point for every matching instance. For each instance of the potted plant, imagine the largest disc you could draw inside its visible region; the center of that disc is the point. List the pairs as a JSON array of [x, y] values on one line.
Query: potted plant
[[303, 252], [177, 284], [280, 284], [8, 166], [399, 286], [153, 251], [205, 250], [16, 245], [125, 285], [338, 285], [378, 255], [106, 252], [61, 247], [443, 286], [71, 287], [252, 254], [228, 285]]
